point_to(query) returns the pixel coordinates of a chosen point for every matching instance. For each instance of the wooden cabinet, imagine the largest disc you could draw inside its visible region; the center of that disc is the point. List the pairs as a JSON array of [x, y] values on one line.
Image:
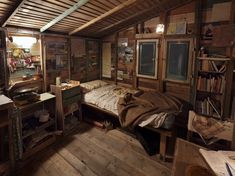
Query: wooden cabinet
[[213, 87], [38, 124], [6, 141], [68, 105]]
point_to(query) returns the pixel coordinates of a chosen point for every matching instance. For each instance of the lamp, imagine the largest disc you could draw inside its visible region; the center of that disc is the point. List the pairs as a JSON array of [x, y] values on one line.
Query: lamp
[[160, 28]]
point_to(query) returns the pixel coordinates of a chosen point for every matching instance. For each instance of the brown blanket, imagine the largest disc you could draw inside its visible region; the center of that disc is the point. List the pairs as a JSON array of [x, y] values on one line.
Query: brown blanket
[[133, 109]]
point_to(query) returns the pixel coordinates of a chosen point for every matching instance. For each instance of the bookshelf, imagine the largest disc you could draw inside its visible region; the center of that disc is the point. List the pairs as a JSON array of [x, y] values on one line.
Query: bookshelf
[[212, 87]]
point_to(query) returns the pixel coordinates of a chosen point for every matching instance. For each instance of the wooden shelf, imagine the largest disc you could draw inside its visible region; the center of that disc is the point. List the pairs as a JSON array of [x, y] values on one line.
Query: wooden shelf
[[50, 140], [43, 97], [39, 128], [210, 72], [208, 93], [214, 58]]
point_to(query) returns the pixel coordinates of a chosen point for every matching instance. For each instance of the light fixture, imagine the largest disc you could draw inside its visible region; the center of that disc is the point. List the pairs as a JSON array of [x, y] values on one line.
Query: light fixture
[[160, 29]]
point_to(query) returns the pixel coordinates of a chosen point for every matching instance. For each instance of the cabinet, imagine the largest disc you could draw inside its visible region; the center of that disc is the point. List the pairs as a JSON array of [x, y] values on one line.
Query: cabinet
[[68, 105], [6, 141], [213, 87], [38, 124]]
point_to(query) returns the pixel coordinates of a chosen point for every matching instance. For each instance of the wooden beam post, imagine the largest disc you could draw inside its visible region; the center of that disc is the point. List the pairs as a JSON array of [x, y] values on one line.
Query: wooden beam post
[[108, 13], [63, 15]]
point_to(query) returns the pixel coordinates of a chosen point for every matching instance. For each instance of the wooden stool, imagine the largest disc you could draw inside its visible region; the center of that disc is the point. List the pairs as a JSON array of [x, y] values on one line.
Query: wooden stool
[[195, 170]]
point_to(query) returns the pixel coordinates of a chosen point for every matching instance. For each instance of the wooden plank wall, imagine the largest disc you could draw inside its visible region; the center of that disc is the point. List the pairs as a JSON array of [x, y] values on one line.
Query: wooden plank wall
[[184, 13]]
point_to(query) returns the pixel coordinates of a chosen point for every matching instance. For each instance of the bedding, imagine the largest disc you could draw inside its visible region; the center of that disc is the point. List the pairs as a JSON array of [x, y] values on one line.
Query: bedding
[[162, 108], [107, 96], [150, 107]]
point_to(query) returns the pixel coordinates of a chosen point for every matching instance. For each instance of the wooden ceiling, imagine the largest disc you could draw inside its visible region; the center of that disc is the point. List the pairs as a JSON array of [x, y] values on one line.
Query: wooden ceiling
[[94, 18]]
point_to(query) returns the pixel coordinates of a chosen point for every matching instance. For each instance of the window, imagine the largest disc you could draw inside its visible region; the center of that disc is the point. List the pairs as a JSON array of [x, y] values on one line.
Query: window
[[177, 60], [147, 58]]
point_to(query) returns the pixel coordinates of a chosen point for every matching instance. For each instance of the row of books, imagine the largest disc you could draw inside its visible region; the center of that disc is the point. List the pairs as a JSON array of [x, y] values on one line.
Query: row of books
[[208, 107], [209, 65], [211, 84]]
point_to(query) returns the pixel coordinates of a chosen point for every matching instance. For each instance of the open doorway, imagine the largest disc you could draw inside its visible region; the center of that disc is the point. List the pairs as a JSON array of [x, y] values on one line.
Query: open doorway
[[23, 57]]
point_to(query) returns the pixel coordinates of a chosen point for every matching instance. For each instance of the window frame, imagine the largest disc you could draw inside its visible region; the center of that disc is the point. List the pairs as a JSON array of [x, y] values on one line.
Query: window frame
[[190, 59], [156, 41]]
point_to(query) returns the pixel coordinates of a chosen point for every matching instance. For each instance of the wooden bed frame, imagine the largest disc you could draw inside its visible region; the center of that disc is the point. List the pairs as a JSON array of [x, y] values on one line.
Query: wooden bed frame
[[165, 135]]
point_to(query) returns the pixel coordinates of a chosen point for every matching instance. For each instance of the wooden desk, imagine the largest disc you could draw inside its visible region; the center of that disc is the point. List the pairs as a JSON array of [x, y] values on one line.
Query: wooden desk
[[36, 137], [186, 155]]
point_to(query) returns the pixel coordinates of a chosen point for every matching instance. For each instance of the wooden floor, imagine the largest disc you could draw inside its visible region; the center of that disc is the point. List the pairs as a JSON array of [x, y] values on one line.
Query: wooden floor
[[90, 151]]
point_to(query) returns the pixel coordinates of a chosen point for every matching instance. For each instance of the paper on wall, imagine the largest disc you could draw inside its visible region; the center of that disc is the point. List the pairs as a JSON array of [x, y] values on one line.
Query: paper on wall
[[221, 12]]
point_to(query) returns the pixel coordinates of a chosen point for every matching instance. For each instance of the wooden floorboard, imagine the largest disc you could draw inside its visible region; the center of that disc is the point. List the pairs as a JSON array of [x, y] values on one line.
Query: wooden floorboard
[[90, 151]]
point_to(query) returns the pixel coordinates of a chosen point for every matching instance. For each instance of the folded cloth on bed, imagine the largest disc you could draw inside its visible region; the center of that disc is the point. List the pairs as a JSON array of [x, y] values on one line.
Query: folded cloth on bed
[[133, 110], [91, 85]]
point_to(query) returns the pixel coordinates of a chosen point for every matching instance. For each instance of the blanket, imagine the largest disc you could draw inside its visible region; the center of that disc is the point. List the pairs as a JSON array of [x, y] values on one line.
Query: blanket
[[133, 110]]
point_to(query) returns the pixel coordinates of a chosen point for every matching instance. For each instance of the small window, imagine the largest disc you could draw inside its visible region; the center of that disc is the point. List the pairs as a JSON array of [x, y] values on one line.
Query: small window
[[177, 60], [147, 58]]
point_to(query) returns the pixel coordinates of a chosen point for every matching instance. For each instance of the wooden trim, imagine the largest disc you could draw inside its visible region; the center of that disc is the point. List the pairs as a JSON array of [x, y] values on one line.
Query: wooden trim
[[108, 13], [148, 36], [64, 14]]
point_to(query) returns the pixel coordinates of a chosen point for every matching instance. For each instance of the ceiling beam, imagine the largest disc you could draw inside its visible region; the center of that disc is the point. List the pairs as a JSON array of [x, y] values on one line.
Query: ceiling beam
[[110, 12], [144, 16], [64, 14], [126, 19], [12, 14]]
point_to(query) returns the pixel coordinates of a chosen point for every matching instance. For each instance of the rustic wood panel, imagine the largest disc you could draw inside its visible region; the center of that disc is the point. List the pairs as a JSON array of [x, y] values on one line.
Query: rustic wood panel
[[179, 90], [36, 14]]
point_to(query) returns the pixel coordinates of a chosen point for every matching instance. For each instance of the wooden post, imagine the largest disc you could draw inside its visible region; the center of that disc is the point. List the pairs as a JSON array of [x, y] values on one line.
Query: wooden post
[[163, 20], [116, 58]]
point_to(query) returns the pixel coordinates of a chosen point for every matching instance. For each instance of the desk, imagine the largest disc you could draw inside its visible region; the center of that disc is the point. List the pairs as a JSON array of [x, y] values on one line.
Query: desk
[[186, 155]]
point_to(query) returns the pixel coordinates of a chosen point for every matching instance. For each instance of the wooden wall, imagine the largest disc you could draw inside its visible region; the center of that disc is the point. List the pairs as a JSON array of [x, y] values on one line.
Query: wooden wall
[[198, 15]]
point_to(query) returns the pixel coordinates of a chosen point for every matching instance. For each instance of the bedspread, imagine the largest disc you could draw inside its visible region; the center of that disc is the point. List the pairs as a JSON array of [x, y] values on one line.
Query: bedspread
[[106, 97], [134, 110]]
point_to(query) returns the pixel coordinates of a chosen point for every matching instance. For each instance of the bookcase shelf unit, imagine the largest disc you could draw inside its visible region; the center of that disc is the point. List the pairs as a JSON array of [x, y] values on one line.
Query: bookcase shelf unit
[[213, 87]]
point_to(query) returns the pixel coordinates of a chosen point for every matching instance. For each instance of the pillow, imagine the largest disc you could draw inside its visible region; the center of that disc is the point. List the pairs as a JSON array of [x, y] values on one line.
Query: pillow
[[88, 86]]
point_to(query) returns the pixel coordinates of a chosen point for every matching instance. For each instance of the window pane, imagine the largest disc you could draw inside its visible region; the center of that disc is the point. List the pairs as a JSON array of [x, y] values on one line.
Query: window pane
[[147, 56], [177, 60]]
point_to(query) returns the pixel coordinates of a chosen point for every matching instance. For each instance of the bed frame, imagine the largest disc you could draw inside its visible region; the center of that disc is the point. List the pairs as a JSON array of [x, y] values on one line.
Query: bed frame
[[165, 135]]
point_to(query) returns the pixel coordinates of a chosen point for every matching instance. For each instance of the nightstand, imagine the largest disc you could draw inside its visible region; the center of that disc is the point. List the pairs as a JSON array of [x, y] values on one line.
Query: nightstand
[[68, 105]]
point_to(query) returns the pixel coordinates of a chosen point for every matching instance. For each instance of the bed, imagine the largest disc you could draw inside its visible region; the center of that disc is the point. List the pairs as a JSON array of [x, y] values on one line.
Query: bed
[[132, 107], [135, 109]]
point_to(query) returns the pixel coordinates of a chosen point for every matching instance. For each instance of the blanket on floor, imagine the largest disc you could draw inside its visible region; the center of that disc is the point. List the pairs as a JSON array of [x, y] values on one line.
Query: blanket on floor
[[132, 110]]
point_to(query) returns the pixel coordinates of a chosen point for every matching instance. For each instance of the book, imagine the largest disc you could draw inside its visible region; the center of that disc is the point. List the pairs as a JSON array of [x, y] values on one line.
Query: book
[[214, 66], [217, 161]]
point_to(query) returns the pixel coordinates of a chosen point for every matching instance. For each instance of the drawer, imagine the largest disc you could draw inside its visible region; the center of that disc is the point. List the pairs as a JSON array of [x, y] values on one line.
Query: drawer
[[74, 91], [71, 100]]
